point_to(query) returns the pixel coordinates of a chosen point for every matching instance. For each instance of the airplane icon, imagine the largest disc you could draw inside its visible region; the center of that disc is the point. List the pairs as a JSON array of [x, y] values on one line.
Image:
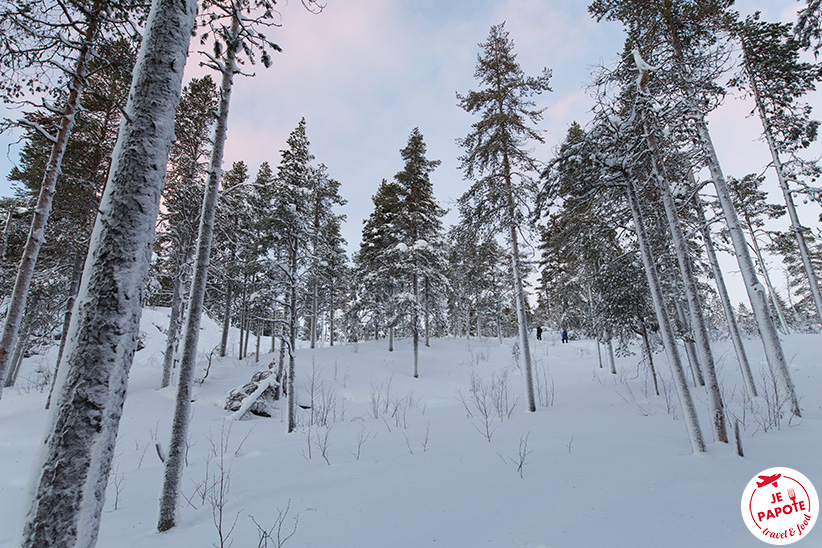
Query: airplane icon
[[767, 480]]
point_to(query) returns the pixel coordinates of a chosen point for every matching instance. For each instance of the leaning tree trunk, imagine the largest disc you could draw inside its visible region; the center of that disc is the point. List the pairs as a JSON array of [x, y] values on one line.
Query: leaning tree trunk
[[17, 358], [175, 460], [782, 177], [697, 319], [174, 320], [665, 329], [690, 347], [756, 293], [760, 259], [74, 287], [66, 490], [519, 294], [36, 237], [730, 316], [649, 352]]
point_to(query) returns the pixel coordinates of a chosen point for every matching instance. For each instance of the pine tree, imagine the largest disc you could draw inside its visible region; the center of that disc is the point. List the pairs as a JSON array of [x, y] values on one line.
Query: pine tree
[[809, 26], [681, 36], [182, 197], [754, 209], [776, 79], [37, 40], [498, 160]]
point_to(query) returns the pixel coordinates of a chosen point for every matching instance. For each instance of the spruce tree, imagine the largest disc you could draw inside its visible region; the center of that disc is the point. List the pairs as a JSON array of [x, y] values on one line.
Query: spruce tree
[[376, 263], [420, 232], [498, 159]]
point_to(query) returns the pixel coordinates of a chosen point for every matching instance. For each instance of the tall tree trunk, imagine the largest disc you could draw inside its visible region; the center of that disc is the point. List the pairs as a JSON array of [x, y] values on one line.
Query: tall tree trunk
[[281, 359], [314, 301], [611, 360], [17, 358], [415, 320], [782, 177], [36, 237], [259, 335], [243, 318], [292, 339], [595, 323], [756, 293], [667, 332], [74, 287], [427, 313], [174, 321], [226, 318], [67, 487], [331, 312], [649, 353], [730, 316], [173, 469], [519, 294], [763, 268], [688, 342], [697, 319]]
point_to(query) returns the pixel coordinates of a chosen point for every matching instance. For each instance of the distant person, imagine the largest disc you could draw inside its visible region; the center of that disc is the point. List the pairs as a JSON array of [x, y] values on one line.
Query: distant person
[[564, 336], [539, 332]]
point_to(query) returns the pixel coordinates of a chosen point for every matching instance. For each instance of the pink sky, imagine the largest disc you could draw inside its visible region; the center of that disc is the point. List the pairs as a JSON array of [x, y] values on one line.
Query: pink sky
[[364, 73]]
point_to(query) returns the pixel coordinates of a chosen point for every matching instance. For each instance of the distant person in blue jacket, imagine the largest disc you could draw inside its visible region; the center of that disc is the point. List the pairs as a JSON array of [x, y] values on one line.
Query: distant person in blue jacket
[[564, 336]]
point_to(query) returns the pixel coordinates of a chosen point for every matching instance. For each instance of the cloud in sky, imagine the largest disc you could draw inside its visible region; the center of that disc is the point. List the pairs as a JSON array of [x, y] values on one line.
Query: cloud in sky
[[364, 73]]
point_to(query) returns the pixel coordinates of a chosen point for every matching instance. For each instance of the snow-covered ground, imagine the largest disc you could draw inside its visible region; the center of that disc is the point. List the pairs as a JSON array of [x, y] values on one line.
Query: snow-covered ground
[[393, 462]]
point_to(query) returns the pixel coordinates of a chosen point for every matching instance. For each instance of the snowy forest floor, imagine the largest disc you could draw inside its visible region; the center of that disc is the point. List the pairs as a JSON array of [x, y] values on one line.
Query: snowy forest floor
[[394, 462]]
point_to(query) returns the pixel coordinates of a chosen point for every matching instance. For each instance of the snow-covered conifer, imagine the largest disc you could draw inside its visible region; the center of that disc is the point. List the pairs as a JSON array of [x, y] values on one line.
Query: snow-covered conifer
[[498, 159]]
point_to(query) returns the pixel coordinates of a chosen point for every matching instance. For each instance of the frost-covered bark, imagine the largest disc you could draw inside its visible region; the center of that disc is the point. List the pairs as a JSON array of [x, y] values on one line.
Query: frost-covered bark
[[665, 329], [67, 487], [519, 296], [173, 466], [756, 293], [730, 317], [36, 237]]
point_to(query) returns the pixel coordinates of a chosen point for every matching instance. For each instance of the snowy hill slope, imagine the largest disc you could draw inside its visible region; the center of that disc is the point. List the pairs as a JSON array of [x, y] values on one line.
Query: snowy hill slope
[[385, 460]]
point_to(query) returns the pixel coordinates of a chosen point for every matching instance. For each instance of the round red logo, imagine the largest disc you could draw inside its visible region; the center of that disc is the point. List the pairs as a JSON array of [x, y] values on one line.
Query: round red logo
[[780, 506]]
